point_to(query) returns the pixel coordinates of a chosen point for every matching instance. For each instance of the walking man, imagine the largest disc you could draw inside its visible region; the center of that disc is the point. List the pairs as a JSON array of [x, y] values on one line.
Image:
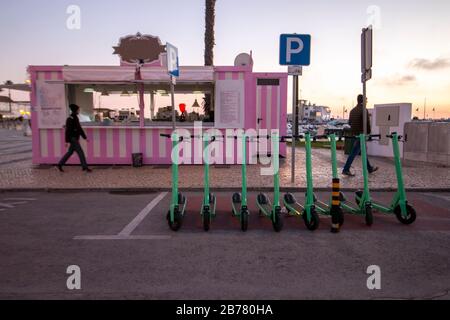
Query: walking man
[[73, 133], [356, 123]]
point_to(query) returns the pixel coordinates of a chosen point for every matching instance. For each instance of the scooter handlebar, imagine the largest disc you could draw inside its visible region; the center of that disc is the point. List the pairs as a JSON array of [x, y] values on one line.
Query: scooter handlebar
[[166, 135], [319, 137], [391, 136]]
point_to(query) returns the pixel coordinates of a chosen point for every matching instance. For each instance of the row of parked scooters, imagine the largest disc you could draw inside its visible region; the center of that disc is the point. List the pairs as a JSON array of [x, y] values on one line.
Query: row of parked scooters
[[308, 211]]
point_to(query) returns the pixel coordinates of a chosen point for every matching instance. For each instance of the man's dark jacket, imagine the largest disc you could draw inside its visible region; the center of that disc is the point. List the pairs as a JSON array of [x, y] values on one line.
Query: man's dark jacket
[[74, 129], [356, 120]]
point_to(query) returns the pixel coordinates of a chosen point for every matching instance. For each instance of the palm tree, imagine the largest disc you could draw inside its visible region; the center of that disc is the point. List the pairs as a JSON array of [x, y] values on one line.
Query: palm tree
[[210, 15]]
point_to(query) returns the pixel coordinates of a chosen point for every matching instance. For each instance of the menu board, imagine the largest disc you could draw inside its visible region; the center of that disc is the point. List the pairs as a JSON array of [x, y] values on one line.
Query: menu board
[[51, 104], [229, 104]]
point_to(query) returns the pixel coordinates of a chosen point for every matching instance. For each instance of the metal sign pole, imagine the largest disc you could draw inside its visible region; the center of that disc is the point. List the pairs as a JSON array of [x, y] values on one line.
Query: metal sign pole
[[172, 93], [294, 123], [364, 108], [366, 67]]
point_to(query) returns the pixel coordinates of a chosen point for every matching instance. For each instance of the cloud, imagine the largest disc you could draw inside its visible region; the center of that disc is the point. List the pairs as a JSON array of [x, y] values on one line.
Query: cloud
[[429, 64], [399, 80]]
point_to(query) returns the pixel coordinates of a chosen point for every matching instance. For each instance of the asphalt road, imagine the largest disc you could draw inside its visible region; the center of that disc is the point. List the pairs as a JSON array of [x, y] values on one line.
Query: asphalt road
[[125, 250]]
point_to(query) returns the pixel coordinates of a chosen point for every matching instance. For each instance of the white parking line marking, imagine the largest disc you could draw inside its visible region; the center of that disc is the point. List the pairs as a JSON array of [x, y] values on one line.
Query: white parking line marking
[[19, 199], [439, 196], [5, 205], [17, 203], [119, 237], [141, 216]]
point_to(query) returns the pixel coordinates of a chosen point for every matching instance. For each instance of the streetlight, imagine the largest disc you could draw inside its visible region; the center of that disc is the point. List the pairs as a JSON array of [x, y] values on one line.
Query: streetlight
[[344, 111]]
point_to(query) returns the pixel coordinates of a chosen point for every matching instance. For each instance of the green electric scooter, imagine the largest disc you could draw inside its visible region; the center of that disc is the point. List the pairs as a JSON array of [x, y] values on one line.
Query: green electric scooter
[[239, 200], [266, 208], [363, 199], [333, 208], [399, 206], [308, 210], [208, 210], [178, 200]]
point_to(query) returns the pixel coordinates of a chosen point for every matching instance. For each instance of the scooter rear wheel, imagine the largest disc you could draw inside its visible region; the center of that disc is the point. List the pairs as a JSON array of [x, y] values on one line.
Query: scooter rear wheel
[[277, 221], [206, 220], [244, 220], [368, 215], [313, 224], [410, 214], [176, 224]]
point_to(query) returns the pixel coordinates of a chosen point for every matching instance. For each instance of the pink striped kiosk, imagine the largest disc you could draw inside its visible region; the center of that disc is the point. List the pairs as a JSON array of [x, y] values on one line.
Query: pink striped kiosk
[[239, 99]]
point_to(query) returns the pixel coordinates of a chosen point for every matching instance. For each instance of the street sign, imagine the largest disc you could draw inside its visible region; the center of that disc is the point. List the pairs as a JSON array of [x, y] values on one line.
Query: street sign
[[295, 70], [295, 49], [366, 49], [172, 60], [366, 76]]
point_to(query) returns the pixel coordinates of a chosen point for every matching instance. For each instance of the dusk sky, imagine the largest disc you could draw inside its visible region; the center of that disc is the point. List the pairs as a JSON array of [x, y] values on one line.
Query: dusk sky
[[411, 41]]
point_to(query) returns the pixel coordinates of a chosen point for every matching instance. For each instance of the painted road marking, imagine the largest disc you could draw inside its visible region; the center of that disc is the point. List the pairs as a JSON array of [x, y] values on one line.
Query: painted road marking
[[141, 216], [119, 237], [5, 205], [125, 234], [19, 199], [439, 196]]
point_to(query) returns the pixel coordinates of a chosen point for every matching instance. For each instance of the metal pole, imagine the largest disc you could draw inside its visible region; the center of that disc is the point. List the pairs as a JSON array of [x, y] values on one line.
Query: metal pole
[[364, 106], [294, 124], [172, 93]]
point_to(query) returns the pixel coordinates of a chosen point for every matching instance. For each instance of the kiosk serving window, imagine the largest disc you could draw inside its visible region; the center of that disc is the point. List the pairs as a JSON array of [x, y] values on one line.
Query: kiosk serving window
[[103, 104]]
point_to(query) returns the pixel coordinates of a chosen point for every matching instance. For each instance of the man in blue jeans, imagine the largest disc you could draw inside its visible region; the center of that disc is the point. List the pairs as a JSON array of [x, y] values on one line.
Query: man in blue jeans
[[357, 127]]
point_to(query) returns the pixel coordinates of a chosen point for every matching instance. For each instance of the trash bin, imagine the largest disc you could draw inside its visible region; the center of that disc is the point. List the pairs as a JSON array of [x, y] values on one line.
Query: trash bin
[[137, 159]]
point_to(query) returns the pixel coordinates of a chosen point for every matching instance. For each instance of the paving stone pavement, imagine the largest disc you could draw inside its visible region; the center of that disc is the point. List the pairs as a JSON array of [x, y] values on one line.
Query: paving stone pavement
[[17, 172]]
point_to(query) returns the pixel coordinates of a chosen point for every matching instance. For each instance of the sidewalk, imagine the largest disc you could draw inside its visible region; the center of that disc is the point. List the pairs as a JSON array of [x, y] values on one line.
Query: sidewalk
[[18, 173]]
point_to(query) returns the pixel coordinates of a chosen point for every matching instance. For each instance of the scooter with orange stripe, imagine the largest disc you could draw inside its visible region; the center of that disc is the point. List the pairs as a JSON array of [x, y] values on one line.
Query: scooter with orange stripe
[[333, 208]]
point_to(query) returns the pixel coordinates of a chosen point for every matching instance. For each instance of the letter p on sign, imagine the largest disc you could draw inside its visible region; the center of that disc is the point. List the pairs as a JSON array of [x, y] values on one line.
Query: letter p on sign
[[172, 60], [295, 49]]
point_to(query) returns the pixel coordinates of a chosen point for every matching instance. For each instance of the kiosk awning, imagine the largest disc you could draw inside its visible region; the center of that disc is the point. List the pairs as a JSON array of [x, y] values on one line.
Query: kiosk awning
[[99, 74], [127, 74]]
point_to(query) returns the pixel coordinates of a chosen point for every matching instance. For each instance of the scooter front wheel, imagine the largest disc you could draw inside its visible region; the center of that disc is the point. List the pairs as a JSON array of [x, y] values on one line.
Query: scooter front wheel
[[176, 224], [410, 214], [277, 221], [244, 220], [313, 223]]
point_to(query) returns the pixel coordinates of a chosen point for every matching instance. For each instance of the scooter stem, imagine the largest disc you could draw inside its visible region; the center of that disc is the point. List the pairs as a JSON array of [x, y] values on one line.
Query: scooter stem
[[333, 156], [276, 167], [206, 199], [175, 142], [362, 141], [244, 169], [398, 172]]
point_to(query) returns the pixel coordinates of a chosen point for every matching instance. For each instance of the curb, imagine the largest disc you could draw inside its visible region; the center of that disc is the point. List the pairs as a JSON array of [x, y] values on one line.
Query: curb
[[198, 189]]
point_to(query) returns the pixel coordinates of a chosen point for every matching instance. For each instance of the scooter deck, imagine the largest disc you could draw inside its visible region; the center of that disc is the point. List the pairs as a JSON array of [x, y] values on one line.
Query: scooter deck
[[212, 204], [236, 203], [264, 204], [292, 205]]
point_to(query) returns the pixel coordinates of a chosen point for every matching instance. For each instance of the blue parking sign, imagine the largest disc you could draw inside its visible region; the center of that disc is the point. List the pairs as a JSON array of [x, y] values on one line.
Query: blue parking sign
[[295, 49], [172, 60]]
